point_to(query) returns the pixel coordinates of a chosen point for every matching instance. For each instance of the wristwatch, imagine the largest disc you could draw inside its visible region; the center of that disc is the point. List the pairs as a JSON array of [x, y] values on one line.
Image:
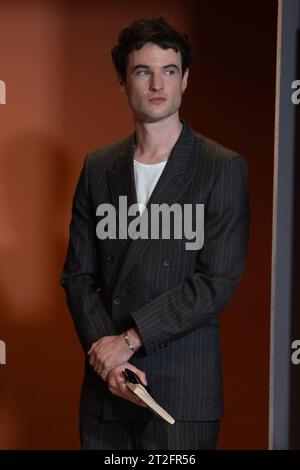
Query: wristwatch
[[128, 342]]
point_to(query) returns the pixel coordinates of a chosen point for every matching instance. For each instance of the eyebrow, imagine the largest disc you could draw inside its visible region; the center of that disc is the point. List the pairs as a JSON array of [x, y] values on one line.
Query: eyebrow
[[142, 66]]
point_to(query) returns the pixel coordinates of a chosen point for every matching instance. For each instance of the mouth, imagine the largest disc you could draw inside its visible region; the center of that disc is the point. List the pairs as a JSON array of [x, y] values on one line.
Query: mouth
[[157, 100]]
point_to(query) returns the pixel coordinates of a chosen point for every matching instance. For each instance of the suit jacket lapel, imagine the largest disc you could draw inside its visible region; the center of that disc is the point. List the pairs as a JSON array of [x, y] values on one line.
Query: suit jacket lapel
[[120, 178], [174, 179]]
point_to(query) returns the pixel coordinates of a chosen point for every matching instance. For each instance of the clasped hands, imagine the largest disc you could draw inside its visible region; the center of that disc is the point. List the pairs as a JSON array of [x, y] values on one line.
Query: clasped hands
[[109, 357]]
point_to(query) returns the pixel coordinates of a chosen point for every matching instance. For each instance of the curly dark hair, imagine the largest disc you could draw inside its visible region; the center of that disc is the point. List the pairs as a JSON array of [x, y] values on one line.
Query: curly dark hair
[[155, 30]]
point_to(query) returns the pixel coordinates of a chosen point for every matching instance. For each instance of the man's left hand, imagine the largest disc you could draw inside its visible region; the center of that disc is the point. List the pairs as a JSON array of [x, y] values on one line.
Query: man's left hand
[[109, 352]]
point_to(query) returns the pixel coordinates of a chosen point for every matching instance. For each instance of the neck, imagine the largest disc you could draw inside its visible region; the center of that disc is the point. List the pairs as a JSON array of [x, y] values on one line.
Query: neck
[[155, 140]]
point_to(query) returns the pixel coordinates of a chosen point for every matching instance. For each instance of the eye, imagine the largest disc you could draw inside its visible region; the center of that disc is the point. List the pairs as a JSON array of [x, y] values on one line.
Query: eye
[[170, 72], [143, 72]]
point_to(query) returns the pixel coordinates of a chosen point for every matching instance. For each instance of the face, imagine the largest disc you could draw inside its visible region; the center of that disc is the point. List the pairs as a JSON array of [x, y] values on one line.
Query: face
[[154, 82]]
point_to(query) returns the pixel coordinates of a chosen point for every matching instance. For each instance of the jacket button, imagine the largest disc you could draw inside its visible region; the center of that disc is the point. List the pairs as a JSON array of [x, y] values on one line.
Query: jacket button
[[110, 259], [166, 262], [117, 300]]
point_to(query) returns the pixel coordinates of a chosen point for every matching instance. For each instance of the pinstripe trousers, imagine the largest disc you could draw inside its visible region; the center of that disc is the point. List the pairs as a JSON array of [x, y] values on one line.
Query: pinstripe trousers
[[96, 434]]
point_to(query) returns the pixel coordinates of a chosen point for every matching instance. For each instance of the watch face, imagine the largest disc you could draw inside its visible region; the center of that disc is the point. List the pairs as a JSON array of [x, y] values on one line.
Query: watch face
[[129, 342]]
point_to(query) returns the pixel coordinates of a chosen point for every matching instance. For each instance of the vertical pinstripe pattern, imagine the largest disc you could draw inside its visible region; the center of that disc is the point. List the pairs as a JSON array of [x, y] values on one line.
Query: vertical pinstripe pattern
[[97, 434], [172, 295]]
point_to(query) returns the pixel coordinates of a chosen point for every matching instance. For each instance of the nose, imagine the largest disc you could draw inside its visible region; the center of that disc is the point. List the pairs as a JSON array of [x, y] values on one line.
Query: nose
[[156, 82]]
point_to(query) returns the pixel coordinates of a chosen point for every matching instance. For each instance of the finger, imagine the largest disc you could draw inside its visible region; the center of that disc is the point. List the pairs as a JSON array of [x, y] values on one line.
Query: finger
[[106, 369], [141, 375], [92, 356], [92, 361], [104, 375], [117, 386], [91, 348], [137, 401], [95, 358], [126, 393]]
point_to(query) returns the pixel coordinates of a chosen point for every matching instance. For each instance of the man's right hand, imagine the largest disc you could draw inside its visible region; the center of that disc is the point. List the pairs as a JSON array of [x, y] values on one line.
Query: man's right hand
[[116, 383]]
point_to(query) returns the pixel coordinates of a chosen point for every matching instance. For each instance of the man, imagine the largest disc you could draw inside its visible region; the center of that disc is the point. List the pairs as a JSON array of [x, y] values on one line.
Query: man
[[151, 304]]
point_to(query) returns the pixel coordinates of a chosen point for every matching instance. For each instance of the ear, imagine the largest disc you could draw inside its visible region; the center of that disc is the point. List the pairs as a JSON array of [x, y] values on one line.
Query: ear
[[185, 80], [122, 84]]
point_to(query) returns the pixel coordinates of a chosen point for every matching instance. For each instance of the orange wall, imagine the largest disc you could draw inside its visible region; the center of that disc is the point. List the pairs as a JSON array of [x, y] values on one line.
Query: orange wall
[[62, 100]]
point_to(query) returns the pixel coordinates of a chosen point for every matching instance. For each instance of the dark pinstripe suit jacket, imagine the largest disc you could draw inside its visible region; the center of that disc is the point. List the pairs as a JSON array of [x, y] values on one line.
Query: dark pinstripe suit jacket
[[172, 295]]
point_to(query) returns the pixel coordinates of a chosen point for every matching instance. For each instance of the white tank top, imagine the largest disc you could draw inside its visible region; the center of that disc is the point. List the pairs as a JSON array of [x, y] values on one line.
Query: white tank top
[[146, 176]]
